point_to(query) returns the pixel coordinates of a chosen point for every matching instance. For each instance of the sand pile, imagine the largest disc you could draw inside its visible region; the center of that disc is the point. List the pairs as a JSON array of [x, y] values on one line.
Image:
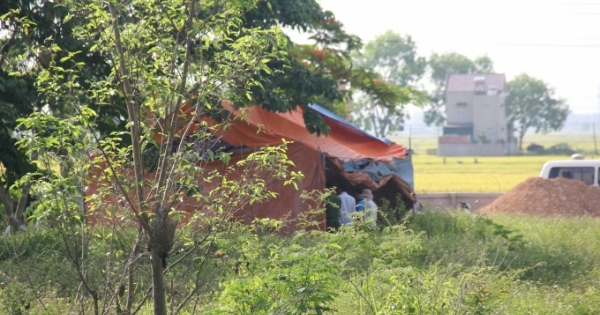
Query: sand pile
[[548, 197]]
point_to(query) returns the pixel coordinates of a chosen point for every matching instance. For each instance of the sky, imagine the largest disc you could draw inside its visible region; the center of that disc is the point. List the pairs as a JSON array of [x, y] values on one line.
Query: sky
[[557, 41]]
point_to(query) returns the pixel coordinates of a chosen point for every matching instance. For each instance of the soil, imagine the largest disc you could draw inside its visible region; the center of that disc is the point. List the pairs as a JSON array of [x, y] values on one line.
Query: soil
[[548, 197]]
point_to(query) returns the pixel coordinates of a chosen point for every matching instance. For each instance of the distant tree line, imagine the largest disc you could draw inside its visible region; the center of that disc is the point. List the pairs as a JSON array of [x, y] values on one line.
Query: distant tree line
[[531, 103]]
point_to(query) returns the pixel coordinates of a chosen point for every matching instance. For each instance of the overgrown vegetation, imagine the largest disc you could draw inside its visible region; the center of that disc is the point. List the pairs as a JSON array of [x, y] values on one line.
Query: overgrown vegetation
[[435, 263]]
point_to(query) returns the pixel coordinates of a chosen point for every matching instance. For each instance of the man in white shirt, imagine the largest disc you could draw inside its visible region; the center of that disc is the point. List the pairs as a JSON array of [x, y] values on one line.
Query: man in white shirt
[[348, 205], [368, 206]]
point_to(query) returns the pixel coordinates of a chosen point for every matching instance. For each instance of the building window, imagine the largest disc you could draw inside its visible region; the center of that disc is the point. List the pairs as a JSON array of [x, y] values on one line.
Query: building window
[[462, 109]]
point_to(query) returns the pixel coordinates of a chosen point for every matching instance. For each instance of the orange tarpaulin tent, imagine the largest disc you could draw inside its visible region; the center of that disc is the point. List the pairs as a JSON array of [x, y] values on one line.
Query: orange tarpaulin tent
[[347, 154], [259, 128], [323, 158]]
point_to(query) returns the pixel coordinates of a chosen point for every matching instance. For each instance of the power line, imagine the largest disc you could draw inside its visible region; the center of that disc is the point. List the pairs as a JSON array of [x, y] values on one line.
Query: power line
[[557, 2], [504, 6], [505, 44], [518, 2], [532, 45], [511, 44], [565, 37], [516, 11]]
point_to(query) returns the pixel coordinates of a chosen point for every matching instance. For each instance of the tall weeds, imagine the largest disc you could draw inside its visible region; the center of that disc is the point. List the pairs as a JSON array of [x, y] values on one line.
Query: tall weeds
[[435, 263]]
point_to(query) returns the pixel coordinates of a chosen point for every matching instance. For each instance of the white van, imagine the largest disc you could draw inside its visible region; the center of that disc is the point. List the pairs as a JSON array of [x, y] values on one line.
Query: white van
[[582, 170]]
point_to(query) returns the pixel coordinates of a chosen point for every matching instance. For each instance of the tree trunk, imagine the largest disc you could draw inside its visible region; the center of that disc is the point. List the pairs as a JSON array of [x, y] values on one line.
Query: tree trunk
[[160, 243], [14, 215], [6, 201], [22, 201], [521, 135], [383, 130], [159, 294], [374, 119]]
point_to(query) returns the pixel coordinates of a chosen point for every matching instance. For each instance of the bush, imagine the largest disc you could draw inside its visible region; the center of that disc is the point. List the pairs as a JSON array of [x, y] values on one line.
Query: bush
[[392, 215]]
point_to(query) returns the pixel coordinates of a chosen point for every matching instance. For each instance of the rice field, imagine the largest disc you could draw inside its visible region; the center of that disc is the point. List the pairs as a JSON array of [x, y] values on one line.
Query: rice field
[[470, 174], [581, 142], [485, 174]]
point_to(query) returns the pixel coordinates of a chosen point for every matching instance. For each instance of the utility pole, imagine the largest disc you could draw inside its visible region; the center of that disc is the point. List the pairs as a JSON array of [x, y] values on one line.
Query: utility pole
[[410, 137], [594, 129]]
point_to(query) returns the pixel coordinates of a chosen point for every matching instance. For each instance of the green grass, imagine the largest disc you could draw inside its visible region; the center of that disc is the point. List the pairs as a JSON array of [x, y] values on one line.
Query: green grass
[[553, 260], [437, 263]]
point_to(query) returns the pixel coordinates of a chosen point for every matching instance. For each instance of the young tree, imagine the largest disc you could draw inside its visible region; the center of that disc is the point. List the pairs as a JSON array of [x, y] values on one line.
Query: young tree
[[531, 104], [160, 53], [394, 58], [443, 65]]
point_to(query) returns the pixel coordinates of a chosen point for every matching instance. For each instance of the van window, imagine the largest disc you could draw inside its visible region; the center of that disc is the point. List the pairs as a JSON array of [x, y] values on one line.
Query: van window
[[584, 174]]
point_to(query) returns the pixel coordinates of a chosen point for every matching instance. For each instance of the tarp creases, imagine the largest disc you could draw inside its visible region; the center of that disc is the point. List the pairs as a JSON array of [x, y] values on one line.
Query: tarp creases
[[378, 170]]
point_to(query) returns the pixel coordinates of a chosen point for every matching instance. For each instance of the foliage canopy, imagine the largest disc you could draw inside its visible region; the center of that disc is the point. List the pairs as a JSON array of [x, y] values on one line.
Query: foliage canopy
[[441, 66], [394, 58], [531, 104]]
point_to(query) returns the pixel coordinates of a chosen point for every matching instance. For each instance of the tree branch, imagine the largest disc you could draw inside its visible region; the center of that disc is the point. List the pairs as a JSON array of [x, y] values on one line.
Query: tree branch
[[175, 116], [23, 200], [6, 201], [133, 117]]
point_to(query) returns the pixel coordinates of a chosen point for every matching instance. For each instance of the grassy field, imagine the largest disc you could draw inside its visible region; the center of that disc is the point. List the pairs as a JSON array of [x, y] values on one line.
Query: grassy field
[[541, 265], [485, 174], [436, 263]]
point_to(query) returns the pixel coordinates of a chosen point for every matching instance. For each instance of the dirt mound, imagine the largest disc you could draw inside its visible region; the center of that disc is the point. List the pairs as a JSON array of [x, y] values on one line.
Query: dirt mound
[[548, 197]]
